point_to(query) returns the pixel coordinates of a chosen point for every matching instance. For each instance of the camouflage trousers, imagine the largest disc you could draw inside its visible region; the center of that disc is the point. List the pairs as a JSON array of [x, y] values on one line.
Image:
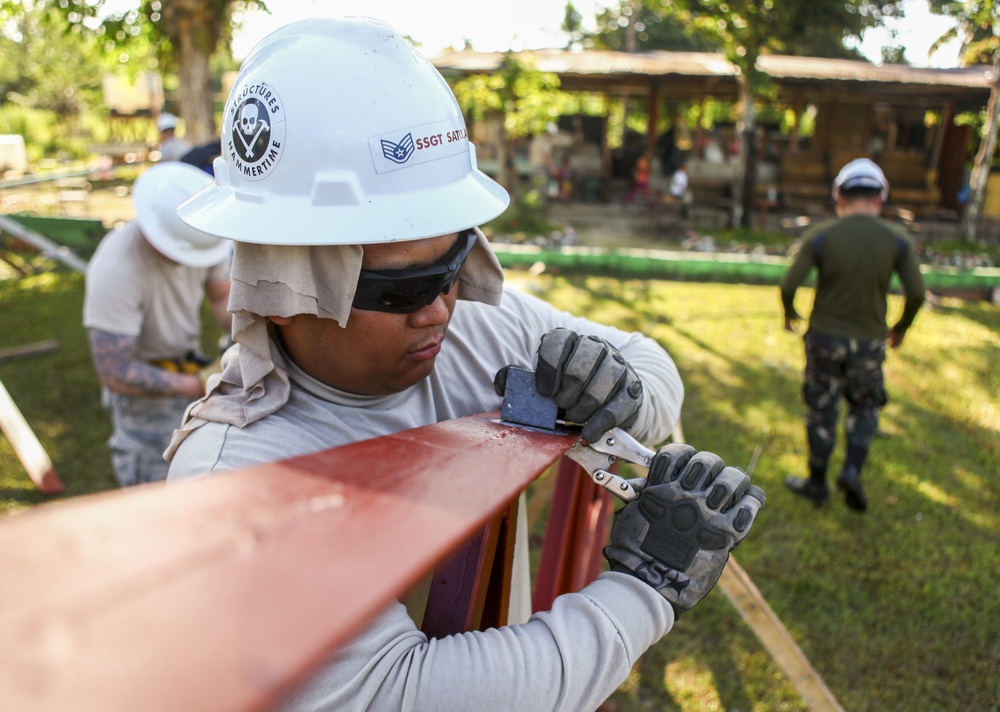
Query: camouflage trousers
[[841, 368], [141, 430]]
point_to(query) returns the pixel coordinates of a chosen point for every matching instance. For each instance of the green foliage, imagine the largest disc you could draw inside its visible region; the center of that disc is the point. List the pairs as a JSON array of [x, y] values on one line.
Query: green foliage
[[653, 28], [974, 23], [61, 72], [526, 97], [742, 30]]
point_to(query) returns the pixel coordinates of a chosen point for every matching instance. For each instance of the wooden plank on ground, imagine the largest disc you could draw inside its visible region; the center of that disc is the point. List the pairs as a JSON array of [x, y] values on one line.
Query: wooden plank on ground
[[217, 594], [771, 632], [26, 446], [26, 350]]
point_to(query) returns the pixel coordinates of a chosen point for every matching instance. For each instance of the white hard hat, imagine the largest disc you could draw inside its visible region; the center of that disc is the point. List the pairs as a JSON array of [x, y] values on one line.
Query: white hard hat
[[860, 173], [338, 132], [156, 194], [166, 121]]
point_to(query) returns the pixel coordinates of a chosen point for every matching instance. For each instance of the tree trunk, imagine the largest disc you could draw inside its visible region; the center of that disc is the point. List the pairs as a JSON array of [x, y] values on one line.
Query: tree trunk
[[507, 172], [984, 158], [194, 28], [196, 99], [742, 209]]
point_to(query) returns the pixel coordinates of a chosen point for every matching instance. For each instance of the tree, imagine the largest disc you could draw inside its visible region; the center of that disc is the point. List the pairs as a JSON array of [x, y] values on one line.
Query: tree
[[48, 94], [183, 34], [977, 23], [520, 97], [743, 30]]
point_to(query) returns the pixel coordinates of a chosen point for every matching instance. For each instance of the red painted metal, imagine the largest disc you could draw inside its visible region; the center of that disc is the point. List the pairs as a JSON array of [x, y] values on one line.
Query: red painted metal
[[471, 589], [219, 594], [577, 529]]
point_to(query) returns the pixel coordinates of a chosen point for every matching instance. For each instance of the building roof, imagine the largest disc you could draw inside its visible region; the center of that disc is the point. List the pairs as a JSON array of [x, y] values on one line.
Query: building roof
[[698, 74]]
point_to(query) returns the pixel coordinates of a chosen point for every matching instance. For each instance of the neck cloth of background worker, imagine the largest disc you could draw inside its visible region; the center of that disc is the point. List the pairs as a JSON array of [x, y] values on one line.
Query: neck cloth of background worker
[[286, 280]]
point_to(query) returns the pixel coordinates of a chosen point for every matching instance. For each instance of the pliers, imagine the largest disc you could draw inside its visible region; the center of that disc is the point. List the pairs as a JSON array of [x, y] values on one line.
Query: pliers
[[598, 456]]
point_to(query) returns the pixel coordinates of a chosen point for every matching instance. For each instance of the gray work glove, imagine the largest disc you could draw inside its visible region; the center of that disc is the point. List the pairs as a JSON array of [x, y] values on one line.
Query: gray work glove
[[589, 380], [678, 534]]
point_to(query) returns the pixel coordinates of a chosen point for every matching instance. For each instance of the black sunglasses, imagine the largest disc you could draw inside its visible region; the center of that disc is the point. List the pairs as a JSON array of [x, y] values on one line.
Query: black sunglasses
[[403, 291]]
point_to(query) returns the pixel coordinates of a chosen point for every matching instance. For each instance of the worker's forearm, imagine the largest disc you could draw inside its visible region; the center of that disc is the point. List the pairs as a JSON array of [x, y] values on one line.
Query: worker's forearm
[[137, 378], [121, 373]]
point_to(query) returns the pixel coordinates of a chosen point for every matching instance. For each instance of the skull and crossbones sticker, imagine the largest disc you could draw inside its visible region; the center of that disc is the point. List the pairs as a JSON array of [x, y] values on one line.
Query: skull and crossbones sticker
[[256, 130]]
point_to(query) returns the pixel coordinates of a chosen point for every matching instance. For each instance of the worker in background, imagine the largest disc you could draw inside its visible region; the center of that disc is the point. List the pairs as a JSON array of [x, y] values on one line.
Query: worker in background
[[855, 257], [145, 287], [172, 147]]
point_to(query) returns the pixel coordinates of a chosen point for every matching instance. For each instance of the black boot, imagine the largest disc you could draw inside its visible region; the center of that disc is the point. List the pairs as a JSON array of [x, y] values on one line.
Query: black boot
[[810, 488], [849, 482]]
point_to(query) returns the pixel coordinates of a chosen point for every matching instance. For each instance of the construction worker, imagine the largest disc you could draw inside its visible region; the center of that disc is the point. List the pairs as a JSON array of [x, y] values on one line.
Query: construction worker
[[367, 301], [145, 286], [172, 147], [855, 256]]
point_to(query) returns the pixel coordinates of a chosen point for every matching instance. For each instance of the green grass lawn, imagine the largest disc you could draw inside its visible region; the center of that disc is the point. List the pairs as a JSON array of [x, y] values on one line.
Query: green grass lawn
[[897, 609]]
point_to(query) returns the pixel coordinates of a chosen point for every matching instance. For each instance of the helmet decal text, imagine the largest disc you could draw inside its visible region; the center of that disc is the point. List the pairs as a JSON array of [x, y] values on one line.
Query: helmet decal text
[[256, 130], [415, 145]]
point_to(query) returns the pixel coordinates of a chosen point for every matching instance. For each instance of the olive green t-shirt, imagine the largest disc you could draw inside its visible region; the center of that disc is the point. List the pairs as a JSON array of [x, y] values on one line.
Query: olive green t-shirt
[[855, 257]]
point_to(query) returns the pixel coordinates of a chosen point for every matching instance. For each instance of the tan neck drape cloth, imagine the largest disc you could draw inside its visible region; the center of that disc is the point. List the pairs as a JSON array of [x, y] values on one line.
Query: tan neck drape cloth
[[285, 280]]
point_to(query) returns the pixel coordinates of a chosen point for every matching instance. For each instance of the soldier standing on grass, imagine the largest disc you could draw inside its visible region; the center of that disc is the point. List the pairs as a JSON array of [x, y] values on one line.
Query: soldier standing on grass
[[855, 256]]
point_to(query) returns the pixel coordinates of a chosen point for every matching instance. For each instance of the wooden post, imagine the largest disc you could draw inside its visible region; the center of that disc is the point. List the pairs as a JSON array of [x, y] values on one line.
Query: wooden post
[[26, 446]]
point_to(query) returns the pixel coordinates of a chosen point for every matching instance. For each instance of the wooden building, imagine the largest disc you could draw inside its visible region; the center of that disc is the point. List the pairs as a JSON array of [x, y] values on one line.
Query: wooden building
[[900, 116]]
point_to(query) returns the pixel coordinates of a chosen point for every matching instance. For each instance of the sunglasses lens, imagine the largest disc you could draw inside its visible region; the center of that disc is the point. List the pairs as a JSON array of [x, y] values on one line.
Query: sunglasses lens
[[407, 291], [400, 295]]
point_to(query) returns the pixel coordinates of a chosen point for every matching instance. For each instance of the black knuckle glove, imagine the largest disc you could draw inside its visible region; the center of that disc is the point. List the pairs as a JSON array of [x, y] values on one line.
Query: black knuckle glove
[[500, 381], [590, 381], [677, 535]]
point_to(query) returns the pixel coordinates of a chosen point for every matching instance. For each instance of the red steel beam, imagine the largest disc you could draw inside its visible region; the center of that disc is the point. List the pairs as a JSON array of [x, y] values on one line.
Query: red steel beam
[[219, 594], [575, 533]]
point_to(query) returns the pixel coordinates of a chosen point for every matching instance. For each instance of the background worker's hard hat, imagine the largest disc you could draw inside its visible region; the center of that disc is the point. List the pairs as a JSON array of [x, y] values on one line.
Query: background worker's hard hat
[[166, 121], [860, 173], [156, 194], [338, 132]]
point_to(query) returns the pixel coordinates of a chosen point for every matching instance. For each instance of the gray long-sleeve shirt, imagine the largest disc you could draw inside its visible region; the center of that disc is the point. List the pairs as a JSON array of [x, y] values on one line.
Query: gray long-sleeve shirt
[[570, 658]]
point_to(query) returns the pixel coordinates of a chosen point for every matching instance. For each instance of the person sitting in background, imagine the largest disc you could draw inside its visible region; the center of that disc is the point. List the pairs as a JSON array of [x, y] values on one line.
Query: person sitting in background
[[142, 308], [677, 192]]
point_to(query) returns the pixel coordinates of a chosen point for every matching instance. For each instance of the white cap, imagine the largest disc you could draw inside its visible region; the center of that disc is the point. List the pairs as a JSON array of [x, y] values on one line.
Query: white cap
[[166, 121], [860, 173], [552, 128], [156, 195]]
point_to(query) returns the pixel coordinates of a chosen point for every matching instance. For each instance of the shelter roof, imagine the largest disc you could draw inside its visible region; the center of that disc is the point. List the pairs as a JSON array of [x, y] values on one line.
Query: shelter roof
[[697, 74]]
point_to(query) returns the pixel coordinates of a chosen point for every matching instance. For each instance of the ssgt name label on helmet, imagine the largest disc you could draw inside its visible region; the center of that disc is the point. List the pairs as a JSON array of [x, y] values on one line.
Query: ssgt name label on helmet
[[256, 133], [419, 144]]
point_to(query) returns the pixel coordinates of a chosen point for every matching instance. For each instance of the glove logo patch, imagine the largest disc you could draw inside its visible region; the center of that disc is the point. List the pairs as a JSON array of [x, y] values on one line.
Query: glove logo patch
[[659, 576], [670, 547]]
